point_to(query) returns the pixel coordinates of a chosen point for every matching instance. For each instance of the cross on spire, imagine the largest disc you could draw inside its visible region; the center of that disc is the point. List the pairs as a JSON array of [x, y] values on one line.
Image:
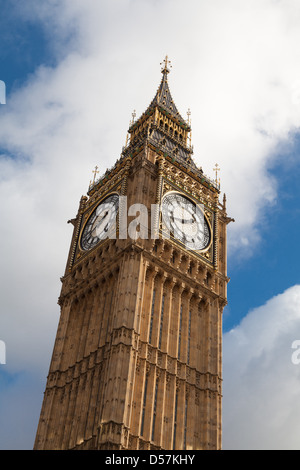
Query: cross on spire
[[217, 169], [95, 173], [189, 115], [166, 63], [133, 116]]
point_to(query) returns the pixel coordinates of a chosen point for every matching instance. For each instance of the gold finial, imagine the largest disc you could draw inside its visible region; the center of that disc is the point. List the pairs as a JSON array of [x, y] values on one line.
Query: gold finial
[[133, 117], [189, 123], [189, 115], [166, 63], [217, 169], [95, 173]]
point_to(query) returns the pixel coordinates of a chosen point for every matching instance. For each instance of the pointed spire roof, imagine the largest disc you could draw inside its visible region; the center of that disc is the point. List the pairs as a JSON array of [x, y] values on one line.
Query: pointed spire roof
[[163, 97], [162, 126]]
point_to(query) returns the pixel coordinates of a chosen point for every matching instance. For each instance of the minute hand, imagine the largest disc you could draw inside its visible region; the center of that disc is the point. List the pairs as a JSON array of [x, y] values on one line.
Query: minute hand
[[186, 221]]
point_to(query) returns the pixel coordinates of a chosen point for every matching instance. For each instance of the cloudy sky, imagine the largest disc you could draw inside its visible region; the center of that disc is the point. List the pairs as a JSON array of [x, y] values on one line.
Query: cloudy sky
[[74, 72]]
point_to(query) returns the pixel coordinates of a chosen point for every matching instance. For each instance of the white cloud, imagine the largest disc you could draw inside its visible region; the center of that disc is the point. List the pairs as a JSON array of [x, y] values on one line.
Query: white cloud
[[261, 382], [235, 64]]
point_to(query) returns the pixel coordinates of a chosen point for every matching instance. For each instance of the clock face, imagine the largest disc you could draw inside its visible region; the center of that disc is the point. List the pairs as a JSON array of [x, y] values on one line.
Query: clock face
[[101, 223], [185, 221]]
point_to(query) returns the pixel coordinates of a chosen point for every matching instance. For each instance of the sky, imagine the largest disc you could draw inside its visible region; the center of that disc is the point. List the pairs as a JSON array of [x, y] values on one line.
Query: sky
[[74, 72]]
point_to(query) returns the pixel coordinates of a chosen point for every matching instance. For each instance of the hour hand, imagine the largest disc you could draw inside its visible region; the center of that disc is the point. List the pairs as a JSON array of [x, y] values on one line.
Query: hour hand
[[98, 222], [185, 221]]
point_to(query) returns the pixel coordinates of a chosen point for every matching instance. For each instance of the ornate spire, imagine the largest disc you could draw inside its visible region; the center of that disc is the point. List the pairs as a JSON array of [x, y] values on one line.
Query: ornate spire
[[162, 126], [163, 97], [165, 69]]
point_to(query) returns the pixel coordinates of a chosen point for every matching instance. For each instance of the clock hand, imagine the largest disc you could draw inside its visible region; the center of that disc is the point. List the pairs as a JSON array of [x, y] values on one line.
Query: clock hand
[[99, 221], [185, 221]]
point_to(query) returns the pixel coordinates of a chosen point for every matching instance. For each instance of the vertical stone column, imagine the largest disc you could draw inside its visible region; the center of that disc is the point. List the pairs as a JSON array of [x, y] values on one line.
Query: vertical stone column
[[95, 402], [77, 346], [120, 370], [178, 416], [87, 318], [134, 344], [72, 338], [147, 405], [170, 283], [173, 330], [64, 320], [151, 274], [160, 292], [87, 404], [73, 389], [158, 407], [189, 326], [189, 417], [135, 418], [170, 392], [203, 334], [185, 302], [216, 373], [63, 400], [42, 433], [95, 322], [109, 309], [155, 308], [79, 412], [55, 365], [220, 375], [102, 308], [158, 197], [176, 319]]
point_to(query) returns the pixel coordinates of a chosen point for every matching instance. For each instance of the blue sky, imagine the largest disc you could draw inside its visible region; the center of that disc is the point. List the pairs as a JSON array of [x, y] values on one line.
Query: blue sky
[[23, 46], [74, 72], [273, 267]]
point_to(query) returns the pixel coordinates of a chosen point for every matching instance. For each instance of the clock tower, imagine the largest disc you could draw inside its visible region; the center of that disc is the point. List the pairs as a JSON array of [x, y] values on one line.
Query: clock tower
[[137, 360]]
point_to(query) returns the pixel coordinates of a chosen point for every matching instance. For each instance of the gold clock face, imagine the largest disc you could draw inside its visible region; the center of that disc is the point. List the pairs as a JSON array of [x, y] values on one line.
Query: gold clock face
[[101, 222], [186, 221]]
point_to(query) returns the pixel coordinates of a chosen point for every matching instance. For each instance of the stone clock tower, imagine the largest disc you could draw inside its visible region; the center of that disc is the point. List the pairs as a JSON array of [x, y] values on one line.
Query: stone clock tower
[[137, 360]]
